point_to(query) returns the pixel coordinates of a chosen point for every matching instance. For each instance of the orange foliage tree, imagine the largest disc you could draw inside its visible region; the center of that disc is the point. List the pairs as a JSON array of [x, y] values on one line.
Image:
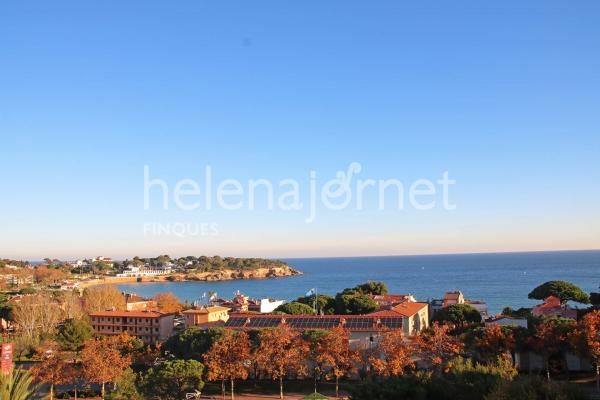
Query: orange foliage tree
[[167, 302], [47, 276], [436, 346], [494, 342], [334, 353], [551, 339], [392, 356], [52, 369], [586, 340], [228, 359], [102, 298], [281, 351], [103, 361]]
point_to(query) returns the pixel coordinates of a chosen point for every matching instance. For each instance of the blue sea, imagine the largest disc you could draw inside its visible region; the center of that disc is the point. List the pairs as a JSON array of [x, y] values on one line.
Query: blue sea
[[500, 279]]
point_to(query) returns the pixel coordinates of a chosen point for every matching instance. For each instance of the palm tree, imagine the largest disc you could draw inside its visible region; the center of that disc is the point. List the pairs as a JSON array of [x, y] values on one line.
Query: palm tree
[[17, 385]]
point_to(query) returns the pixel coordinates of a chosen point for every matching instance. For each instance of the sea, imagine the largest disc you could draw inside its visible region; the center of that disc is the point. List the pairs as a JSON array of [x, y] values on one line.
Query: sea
[[500, 279]]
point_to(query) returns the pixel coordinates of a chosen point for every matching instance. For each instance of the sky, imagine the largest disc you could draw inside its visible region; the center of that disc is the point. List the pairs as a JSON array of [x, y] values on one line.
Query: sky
[[503, 96]]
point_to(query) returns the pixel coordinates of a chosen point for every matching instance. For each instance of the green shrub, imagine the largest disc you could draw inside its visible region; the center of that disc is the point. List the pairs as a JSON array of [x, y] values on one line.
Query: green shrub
[[536, 388]]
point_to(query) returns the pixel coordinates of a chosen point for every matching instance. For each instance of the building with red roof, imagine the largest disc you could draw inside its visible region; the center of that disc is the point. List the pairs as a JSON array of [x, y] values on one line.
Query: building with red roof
[[553, 307], [149, 326]]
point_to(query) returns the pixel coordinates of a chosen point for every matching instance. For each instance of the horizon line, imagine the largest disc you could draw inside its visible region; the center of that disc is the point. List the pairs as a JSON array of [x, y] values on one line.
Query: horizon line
[[360, 256]]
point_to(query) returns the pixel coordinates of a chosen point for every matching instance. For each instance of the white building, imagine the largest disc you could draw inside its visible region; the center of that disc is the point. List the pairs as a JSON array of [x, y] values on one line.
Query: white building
[[265, 305], [134, 271]]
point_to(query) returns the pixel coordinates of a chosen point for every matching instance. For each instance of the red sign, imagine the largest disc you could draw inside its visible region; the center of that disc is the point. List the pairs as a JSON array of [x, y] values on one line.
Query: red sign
[[6, 358]]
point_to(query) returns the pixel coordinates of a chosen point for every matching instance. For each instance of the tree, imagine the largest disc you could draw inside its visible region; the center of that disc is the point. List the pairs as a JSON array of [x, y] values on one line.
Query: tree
[[585, 339], [354, 303], [595, 299], [193, 342], [71, 304], [229, 359], [167, 302], [518, 313], [126, 387], [373, 288], [102, 298], [494, 341], [5, 307], [17, 385], [565, 291], [36, 314], [52, 370], [47, 276], [315, 350], [281, 351], [551, 339], [102, 361], [458, 315], [335, 355], [171, 380], [295, 308], [392, 356], [73, 333], [325, 304], [436, 346]]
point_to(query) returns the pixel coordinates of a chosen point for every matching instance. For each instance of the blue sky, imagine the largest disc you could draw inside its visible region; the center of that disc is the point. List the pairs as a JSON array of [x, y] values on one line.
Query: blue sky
[[504, 96]]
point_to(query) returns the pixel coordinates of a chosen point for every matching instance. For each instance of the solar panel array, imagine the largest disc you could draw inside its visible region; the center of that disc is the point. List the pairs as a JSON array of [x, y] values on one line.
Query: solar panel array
[[359, 323], [235, 322], [264, 322], [305, 323], [391, 322], [312, 323]]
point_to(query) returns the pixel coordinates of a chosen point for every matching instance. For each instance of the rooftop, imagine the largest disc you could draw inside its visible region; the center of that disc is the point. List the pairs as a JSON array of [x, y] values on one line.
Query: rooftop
[[130, 314], [308, 322], [206, 310]]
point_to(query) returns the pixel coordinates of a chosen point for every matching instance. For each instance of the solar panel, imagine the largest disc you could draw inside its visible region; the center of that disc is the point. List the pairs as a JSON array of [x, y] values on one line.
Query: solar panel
[[312, 322], [264, 322], [392, 322], [235, 322], [359, 323]]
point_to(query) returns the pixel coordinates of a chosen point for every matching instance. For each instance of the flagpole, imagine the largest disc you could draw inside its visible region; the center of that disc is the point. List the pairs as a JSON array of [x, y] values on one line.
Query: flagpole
[[316, 312]]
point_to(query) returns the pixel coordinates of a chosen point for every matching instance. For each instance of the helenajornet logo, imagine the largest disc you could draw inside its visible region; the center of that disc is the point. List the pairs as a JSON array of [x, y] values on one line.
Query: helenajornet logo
[[345, 191]]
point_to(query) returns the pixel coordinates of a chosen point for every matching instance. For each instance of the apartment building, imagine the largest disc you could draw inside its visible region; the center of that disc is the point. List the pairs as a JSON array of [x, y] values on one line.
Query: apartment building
[[151, 327]]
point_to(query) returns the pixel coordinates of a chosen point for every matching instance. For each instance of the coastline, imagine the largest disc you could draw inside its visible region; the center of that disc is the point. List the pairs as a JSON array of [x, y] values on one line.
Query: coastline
[[224, 275]]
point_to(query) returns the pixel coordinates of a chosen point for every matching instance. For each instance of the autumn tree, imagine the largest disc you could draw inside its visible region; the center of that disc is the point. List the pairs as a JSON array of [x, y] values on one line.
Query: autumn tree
[[47, 276], [36, 315], [102, 298], [335, 355], [586, 340], [436, 346], [281, 351], [313, 338], [72, 305], [229, 359], [494, 341], [392, 356], [102, 361], [167, 302], [551, 339], [52, 369]]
